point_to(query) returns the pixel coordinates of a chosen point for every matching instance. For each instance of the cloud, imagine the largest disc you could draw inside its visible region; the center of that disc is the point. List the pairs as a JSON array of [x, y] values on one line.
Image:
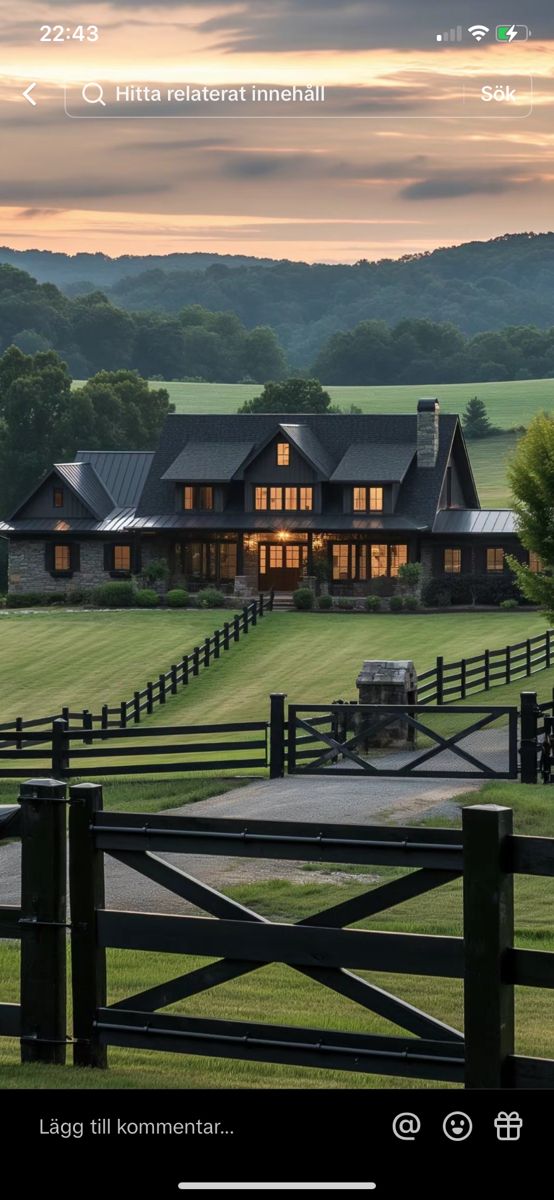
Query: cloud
[[29, 214], [23, 191], [451, 185]]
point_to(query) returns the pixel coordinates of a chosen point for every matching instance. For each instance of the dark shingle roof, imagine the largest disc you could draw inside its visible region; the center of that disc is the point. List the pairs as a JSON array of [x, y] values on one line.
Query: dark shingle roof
[[475, 520], [334, 433], [208, 462], [123, 473], [84, 481], [310, 446], [374, 461]]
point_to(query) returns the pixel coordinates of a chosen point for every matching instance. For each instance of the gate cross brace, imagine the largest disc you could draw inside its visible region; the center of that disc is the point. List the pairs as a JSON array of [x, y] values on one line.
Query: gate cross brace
[[337, 979]]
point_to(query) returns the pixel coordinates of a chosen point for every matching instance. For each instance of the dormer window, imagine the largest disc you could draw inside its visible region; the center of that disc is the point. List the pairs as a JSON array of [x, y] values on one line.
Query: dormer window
[[198, 498], [58, 497], [283, 454], [367, 499], [278, 499]]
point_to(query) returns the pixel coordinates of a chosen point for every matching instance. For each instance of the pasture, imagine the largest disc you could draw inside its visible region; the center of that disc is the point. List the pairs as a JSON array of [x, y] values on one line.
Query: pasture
[[279, 994]]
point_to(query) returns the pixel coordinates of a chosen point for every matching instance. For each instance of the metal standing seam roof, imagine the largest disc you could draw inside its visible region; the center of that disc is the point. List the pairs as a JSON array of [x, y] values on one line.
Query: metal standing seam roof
[[83, 480], [380, 462], [210, 462], [123, 473], [497, 521]]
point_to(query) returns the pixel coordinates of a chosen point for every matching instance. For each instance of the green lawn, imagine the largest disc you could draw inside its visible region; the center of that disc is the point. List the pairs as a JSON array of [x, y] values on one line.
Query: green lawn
[[279, 994], [86, 659], [508, 404], [489, 459]]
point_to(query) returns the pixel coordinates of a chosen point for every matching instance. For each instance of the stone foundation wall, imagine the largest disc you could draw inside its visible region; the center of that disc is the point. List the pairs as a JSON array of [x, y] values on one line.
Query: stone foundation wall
[[27, 572]]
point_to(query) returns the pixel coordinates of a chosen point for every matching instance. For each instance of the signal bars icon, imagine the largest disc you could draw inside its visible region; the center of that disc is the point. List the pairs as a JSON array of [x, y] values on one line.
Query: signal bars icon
[[456, 34]]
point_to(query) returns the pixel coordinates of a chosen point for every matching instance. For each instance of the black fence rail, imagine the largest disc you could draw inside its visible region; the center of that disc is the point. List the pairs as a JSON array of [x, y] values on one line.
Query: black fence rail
[[322, 947], [448, 681]]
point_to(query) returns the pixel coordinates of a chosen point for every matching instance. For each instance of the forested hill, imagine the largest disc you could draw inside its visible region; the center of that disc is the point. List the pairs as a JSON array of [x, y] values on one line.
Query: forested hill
[[477, 286]]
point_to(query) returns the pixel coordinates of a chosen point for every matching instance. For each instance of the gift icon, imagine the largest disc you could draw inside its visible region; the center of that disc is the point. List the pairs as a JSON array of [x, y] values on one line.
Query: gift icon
[[508, 1126]]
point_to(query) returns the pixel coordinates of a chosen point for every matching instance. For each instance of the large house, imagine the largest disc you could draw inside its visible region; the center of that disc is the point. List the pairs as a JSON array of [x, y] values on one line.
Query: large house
[[253, 502]]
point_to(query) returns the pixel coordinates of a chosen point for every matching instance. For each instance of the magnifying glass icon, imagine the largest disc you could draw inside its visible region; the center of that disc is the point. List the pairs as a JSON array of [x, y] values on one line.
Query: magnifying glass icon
[[93, 93]]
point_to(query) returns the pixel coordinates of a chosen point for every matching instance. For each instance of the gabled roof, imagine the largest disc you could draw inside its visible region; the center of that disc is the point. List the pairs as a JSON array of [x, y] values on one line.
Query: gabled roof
[[497, 521], [122, 472], [306, 441], [380, 462], [84, 482], [208, 462]]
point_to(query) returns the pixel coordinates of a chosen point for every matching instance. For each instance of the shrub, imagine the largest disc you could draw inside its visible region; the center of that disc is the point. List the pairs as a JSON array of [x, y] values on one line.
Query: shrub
[[325, 602], [411, 603], [114, 595], [210, 598], [372, 604], [78, 596], [346, 602], [396, 604], [303, 598], [147, 598], [410, 574], [25, 599], [509, 604], [156, 571], [177, 598]]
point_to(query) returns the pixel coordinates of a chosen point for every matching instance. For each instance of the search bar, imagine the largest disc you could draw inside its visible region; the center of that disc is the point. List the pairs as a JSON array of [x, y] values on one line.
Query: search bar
[[276, 1187], [477, 96]]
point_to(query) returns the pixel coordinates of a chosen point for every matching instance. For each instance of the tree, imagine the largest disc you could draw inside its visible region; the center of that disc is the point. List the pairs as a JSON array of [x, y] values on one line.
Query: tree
[[475, 421], [290, 396], [531, 474]]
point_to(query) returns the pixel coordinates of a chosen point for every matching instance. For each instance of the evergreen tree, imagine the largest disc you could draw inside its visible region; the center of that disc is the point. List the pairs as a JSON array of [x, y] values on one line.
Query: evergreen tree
[[475, 421]]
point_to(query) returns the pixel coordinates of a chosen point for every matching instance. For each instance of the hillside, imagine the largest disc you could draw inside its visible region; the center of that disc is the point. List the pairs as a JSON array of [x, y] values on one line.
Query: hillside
[[476, 286]]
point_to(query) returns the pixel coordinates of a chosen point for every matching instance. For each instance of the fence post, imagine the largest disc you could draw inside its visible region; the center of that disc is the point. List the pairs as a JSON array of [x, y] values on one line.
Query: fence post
[[271, 599], [88, 960], [185, 669], [43, 921], [196, 660], [528, 657], [149, 698], [463, 674], [487, 670], [65, 715], [60, 749], [508, 664], [105, 717], [161, 685], [528, 746], [123, 714], [245, 618], [548, 647], [217, 643], [277, 735], [87, 724], [174, 680], [488, 934], [137, 707], [19, 732], [262, 613], [254, 612], [226, 628], [236, 628], [440, 679], [207, 651]]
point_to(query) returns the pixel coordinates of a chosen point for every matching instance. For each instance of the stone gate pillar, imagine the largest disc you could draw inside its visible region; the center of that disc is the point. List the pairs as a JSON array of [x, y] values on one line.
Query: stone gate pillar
[[389, 682]]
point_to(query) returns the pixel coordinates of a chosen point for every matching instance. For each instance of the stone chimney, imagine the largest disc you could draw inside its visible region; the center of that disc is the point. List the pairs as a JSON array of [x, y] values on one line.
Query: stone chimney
[[427, 432]]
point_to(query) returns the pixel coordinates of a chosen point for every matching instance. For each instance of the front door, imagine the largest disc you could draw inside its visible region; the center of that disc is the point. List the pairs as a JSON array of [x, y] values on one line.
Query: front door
[[281, 565]]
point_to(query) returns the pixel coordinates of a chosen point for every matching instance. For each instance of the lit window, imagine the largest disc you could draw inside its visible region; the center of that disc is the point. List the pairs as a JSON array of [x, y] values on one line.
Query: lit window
[[305, 498], [283, 454], [376, 499], [263, 559], [62, 558], [58, 497], [276, 557], [378, 560], [292, 558], [495, 558], [188, 497], [228, 560], [275, 498], [359, 499], [535, 562], [398, 556], [122, 558], [341, 561], [453, 562], [290, 498], [260, 499]]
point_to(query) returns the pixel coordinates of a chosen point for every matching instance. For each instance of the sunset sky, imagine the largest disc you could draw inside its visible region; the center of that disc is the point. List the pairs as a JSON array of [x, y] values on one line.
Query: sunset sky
[[376, 174]]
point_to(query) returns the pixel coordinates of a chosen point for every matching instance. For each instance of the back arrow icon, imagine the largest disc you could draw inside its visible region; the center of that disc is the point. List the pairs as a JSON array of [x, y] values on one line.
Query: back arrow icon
[[27, 94]]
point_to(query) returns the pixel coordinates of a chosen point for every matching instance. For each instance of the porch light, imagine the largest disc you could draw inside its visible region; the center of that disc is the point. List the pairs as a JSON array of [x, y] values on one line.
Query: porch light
[[283, 535], [317, 543]]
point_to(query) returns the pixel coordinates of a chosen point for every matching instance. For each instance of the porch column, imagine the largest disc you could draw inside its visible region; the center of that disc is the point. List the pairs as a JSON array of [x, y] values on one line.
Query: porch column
[[310, 562], [240, 554]]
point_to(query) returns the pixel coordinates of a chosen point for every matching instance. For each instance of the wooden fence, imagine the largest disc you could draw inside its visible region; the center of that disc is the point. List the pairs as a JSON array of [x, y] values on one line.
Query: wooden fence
[[448, 681], [486, 854]]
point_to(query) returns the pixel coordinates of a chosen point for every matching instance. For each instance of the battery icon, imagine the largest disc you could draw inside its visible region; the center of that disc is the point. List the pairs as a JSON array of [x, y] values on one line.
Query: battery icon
[[509, 33]]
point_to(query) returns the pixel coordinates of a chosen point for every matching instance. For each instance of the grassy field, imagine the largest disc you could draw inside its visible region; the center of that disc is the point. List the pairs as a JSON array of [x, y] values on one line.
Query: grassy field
[[279, 994], [84, 659], [489, 459], [508, 404]]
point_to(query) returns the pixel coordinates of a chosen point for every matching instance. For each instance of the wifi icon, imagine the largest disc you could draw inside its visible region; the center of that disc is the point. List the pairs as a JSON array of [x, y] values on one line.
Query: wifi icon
[[478, 32]]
